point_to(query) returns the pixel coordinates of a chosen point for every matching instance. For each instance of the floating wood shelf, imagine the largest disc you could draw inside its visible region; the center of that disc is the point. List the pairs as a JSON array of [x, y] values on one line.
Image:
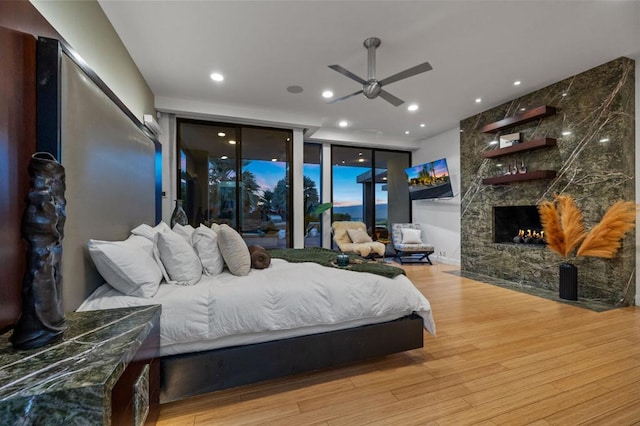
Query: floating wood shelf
[[524, 146], [525, 117], [501, 180]]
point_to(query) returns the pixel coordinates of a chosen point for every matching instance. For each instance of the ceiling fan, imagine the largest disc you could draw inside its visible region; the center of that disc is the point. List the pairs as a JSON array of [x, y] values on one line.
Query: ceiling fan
[[371, 87]]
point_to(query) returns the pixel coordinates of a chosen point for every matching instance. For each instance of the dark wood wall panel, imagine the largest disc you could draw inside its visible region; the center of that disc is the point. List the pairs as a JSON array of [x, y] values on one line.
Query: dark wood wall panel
[[20, 23]]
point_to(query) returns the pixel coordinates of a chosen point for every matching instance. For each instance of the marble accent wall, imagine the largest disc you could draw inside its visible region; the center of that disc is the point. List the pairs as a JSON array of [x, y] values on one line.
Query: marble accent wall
[[594, 164]]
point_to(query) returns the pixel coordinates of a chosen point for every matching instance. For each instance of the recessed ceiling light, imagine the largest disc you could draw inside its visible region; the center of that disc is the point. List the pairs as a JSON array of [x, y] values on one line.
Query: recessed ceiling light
[[566, 133], [327, 94], [216, 76], [412, 107], [222, 134], [343, 123], [604, 140], [422, 124], [288, 139], [406, 132], [274, 159], [232, 142], [478, 100], [224, 157], [517, 83], [359, 154]]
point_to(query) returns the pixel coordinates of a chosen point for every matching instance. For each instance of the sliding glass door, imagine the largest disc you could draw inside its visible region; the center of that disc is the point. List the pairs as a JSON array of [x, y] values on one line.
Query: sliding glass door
[[370, 186], [238, 175]]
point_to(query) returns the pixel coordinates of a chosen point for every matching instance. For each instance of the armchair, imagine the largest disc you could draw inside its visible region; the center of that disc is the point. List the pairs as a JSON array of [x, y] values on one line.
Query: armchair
[[352, 237], [407, 241]]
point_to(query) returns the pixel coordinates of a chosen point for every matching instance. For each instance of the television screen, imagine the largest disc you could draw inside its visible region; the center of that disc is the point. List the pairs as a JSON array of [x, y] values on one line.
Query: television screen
[[429, 180]]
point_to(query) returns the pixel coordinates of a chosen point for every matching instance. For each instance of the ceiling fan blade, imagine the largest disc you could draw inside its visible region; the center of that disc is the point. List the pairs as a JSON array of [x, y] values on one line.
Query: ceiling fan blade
[[347, 73], [390, 98], [333, 101], [406, 73]]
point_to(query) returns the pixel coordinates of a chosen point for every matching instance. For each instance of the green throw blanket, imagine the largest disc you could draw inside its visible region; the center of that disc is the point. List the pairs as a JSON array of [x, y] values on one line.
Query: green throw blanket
[[326, 257]]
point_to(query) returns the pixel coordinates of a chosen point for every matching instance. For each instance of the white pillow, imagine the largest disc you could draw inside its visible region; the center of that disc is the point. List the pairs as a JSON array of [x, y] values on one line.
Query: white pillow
[[141, 242], [358, 236], [179, 259], [234, 250], [185, 231], [215, 226], [205, 242], [148, 232], [126, 267], [411, 236]]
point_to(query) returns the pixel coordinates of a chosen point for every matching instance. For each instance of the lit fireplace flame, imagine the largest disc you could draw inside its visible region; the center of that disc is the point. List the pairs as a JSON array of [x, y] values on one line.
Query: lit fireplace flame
[[529, 237]]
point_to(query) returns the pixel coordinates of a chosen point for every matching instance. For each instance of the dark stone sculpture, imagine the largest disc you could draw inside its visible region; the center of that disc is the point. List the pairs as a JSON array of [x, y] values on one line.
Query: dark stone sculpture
[[42, 320]]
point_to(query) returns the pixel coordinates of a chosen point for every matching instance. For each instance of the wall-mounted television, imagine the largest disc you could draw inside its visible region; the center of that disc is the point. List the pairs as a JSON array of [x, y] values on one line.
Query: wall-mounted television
[[429, 180]]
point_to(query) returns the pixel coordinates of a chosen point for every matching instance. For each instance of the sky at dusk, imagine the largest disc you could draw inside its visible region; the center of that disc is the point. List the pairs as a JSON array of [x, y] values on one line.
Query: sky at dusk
[[346, 190]]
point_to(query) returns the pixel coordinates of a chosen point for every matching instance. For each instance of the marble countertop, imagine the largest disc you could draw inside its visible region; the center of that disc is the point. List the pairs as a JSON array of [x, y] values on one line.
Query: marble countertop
[[74, 376]]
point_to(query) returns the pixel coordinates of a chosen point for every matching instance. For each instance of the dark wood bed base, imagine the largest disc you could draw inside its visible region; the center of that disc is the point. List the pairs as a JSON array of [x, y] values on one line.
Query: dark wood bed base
[[187, 375]]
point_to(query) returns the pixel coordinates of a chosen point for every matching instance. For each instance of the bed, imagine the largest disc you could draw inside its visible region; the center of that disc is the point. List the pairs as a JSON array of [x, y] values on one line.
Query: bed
[[302, 316], [109, 155]]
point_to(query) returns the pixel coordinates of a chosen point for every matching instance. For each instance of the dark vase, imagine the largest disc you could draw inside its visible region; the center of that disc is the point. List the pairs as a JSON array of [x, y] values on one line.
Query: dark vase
[[568, 281], [178, 215], [42, 318]]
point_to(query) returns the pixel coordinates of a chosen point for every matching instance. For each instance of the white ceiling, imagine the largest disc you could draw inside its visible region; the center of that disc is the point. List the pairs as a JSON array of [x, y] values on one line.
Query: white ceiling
[[477, 49]]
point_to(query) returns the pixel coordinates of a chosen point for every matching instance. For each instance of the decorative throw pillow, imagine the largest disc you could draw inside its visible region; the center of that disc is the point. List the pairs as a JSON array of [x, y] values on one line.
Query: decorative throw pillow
[[149, 232], [181, 262], [205, 242], [234, 250], [126, 266], [358, 236], [411, 236], [185, 231]]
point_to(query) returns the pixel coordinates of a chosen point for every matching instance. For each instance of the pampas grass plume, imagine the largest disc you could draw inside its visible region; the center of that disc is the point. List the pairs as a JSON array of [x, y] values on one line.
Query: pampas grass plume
[[550, 220], [605, 238], [571, 222]]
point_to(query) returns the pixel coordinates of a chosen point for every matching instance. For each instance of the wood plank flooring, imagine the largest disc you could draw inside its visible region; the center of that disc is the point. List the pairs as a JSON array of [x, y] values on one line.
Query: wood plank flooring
[[500, 358]]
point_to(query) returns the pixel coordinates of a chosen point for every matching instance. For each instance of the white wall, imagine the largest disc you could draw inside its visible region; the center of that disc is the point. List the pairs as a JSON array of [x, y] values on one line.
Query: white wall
[[440, 219]]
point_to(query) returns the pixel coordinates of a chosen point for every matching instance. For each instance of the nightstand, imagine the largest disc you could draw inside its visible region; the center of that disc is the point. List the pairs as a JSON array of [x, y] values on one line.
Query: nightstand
[[104, 372]]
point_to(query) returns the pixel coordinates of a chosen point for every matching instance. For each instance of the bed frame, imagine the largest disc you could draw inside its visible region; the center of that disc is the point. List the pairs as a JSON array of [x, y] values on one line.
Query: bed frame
[[99, 141], [186, 375]]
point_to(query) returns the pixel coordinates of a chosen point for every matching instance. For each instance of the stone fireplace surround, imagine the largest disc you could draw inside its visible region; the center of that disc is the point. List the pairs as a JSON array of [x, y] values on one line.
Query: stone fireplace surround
[[594, 162]]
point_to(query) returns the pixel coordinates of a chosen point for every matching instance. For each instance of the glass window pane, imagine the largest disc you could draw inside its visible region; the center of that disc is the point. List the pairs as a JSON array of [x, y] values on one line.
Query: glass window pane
[[207, 170], [391, 190], [312, 173], [265, 187]]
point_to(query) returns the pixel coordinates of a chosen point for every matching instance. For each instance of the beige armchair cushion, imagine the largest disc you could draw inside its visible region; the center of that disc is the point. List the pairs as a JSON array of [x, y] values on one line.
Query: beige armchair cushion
[[345, 244]]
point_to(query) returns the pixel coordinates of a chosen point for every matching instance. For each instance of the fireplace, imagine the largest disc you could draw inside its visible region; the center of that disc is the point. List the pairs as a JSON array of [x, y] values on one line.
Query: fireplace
[[510, 222]]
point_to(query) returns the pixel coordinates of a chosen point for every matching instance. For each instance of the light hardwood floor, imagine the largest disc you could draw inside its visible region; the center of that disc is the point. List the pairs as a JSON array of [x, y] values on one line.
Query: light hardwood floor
[[500, 357]]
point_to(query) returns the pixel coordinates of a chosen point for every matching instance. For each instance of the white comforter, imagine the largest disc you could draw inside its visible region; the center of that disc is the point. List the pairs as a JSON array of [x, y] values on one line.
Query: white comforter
[[284, 300]]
